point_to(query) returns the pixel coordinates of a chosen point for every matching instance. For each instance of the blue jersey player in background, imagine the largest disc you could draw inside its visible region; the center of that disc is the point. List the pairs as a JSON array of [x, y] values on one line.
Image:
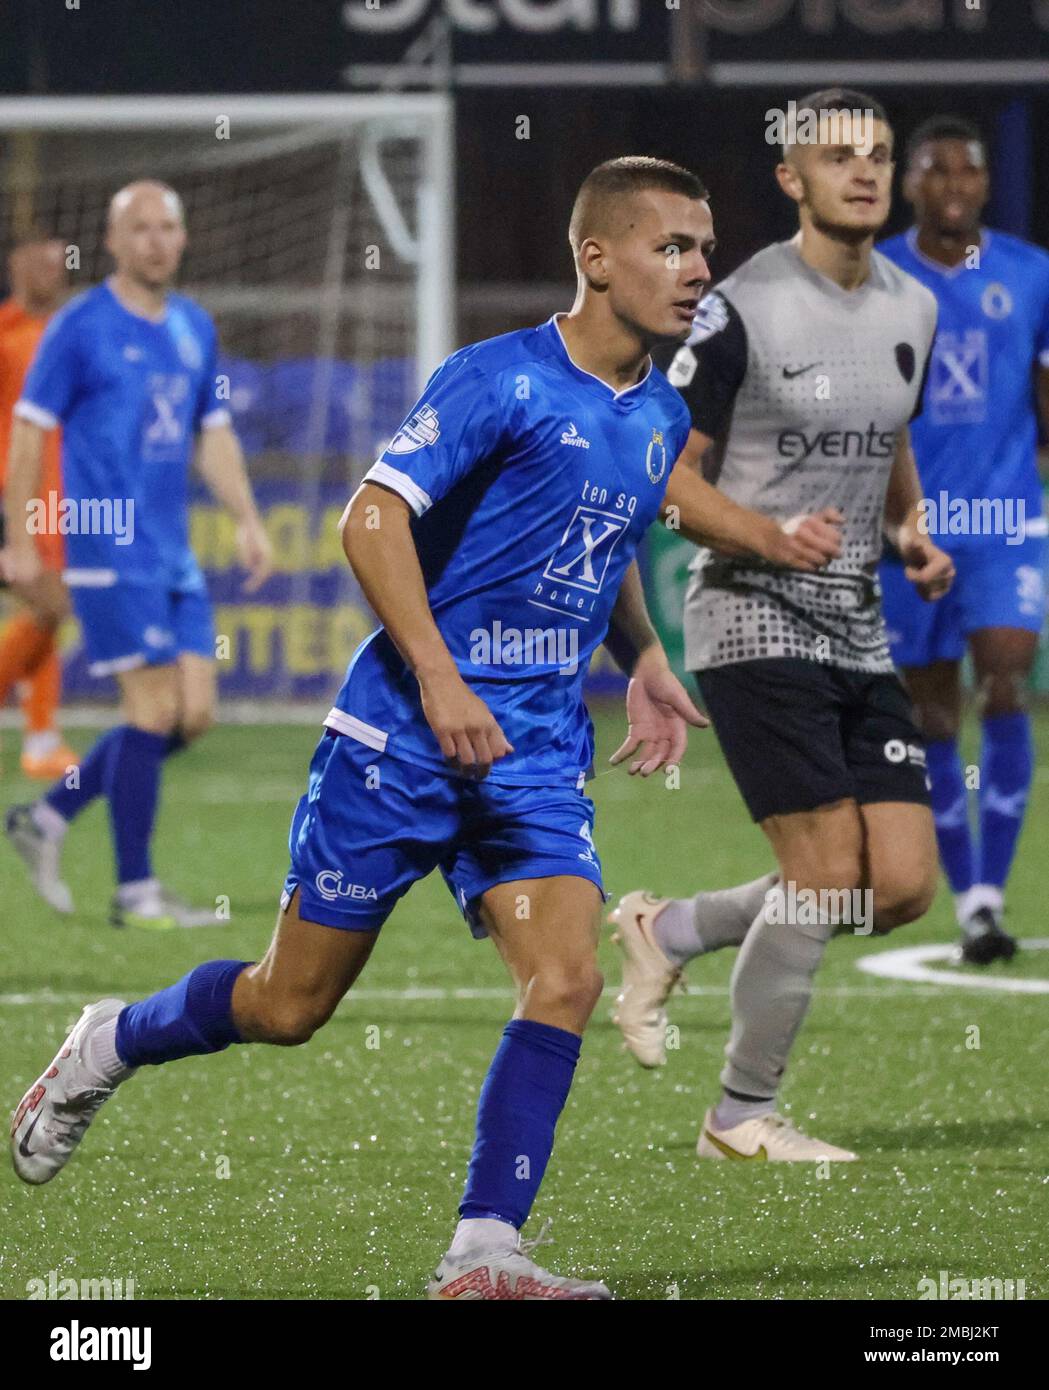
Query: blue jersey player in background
[[976, 447], [128, 370], [495, 538]]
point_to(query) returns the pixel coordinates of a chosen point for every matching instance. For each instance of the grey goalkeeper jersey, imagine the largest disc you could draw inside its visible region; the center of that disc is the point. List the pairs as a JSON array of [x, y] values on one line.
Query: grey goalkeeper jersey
[[806, 387]]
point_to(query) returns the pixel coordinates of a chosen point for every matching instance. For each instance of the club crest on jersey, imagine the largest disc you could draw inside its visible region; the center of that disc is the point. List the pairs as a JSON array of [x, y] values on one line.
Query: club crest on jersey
[[996, 301], [189, 351], [656, 457], [905, 360], [420, 429]]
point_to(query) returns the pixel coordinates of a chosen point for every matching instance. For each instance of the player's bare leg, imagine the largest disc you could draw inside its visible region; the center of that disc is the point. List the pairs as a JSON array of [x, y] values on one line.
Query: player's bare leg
[[546, 932], [300, 981], [281, 1000]]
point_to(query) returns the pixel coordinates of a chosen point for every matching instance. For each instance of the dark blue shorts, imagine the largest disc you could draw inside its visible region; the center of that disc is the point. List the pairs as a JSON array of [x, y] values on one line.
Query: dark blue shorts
[[371, 825], [996, 585], [125, 626]]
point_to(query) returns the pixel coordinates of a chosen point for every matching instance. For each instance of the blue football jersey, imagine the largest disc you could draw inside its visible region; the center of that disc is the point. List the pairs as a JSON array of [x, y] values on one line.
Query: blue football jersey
[[532, 483], [977, 436], [130, 395]]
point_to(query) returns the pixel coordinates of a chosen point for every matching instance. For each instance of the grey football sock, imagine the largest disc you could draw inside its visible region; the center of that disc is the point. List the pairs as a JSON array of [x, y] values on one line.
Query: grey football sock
[[731, 1111], [689, 927], [770, 991]]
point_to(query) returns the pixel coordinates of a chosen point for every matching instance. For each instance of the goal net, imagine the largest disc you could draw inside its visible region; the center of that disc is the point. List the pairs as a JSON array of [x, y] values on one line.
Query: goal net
[[320, 240]]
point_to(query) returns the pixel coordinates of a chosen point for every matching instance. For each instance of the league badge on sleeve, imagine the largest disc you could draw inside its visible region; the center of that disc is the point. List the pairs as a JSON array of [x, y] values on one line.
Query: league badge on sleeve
[[421, 429]]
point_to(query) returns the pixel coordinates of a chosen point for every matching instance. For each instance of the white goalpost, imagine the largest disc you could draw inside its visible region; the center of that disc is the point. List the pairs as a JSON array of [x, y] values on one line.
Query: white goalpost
[[321, 240]]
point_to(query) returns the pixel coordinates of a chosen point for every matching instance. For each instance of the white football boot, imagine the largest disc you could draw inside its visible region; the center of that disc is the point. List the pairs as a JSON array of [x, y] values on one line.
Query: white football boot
[[509, 1275], [41, 855], [56, 1110], [159, 909], [648, 978], [768, 1137]]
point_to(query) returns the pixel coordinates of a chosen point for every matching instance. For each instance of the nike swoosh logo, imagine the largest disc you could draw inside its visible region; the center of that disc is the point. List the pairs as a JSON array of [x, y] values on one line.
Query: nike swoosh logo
[[798, 371], [730, 1152], [23, 1143]]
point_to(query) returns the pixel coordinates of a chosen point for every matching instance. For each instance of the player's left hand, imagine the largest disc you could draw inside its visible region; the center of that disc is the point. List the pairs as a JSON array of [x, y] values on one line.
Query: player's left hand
[[255, 553], [659, 713], [930, 569]]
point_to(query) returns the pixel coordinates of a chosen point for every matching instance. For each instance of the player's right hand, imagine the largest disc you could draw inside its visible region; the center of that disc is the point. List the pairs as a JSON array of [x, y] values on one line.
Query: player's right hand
[[807, 542], [21, 564], [464, 726]]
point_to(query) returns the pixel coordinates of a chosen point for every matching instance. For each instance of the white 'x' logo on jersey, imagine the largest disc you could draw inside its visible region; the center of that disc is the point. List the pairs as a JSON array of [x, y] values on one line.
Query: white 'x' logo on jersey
[[576, 566], [165, 427]]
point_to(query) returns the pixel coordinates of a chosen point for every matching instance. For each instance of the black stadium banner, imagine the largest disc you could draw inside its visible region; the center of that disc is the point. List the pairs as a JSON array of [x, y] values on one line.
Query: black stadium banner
[[113, 46], [693, 39]]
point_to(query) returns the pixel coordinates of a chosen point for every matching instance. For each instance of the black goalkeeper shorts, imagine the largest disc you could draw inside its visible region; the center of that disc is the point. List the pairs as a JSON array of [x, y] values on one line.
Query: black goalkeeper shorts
[[800, 734]]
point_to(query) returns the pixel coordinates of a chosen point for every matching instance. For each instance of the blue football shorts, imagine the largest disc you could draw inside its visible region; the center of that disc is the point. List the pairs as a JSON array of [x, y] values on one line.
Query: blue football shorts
[[125, 626], [995, 585], [371, 825]]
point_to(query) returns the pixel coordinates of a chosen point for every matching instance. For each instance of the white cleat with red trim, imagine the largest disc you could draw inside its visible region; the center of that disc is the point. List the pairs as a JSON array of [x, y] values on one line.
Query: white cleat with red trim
[[54, 1113], [509, 1275], [648, 978]]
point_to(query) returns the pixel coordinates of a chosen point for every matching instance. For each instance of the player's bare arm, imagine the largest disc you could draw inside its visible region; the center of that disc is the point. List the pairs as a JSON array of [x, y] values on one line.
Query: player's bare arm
[[658, 708], [707, 517], [21, 560], [930, 569], [220, 462], [377, 540]]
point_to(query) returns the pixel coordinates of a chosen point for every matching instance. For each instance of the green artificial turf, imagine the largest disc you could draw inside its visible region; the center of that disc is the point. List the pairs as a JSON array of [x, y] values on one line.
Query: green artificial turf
[[334, 1170]]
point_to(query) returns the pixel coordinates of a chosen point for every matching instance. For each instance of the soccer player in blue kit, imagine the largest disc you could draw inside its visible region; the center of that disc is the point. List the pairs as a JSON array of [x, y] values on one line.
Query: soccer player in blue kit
[[129, 371], [495, 538], [976, 449]]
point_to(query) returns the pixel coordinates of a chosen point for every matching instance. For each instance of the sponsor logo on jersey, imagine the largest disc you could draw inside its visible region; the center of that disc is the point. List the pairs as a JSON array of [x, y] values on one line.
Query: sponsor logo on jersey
[[421, 429], [959, 378], [656, 457], [798, 447], [331, 887], [581, 560], [573, 437], [996, 301]]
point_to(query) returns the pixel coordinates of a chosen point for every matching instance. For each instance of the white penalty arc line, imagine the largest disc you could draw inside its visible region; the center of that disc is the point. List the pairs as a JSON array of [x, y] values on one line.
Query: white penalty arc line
[[911, 964]]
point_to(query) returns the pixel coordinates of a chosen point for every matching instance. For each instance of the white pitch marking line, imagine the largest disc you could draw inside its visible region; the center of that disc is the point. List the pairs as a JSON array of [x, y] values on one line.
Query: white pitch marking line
[[438, 994], [909, 964]]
